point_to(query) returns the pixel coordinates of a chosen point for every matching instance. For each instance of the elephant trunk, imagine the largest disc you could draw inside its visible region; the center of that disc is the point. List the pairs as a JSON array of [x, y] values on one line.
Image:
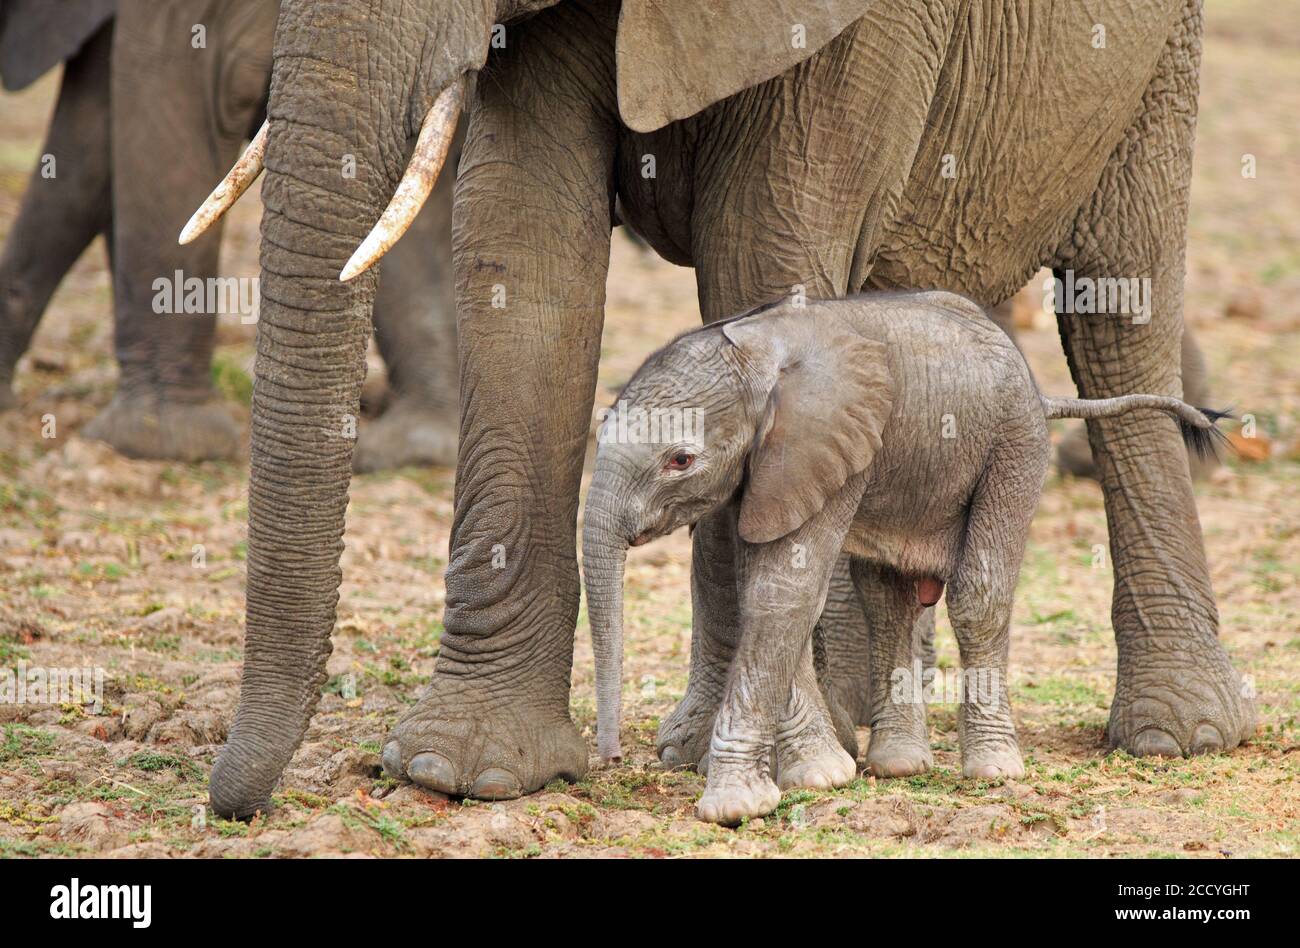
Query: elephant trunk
[[311, 343], [604, 555]]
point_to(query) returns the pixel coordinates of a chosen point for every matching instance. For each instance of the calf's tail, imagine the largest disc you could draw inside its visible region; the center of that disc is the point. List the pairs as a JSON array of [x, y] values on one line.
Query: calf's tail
[[1197, 424]]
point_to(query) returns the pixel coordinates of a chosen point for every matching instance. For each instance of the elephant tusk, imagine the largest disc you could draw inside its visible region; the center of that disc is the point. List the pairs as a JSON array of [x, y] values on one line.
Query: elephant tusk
[[231, 188], [413, 190]]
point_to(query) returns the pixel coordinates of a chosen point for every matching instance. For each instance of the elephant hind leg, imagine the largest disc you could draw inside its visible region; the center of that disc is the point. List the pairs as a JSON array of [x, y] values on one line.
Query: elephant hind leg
[[900, 742], [1176, 691]]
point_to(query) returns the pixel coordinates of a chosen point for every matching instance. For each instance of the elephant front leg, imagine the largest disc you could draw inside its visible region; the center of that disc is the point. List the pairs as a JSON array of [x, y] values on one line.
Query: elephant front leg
[[1176, 692], [770, 690], [531, 245], [715, 628], [809, 752]]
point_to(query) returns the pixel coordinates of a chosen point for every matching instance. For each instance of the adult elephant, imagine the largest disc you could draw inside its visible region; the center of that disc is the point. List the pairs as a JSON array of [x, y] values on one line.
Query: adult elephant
[[154, 103], [841, 145]]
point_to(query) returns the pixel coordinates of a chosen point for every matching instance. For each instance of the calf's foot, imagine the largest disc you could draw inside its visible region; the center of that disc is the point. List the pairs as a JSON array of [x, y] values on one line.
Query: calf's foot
[[737, 794], [808, 750], [992, 759], [898, 754]]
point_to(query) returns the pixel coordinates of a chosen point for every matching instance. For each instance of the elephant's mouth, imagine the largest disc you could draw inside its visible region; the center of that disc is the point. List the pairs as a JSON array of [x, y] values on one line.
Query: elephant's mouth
[[641, 539]]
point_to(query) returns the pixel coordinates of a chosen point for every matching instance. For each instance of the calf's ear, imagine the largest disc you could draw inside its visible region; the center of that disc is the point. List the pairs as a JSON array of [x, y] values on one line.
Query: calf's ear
[[829, 396], [677, 57]]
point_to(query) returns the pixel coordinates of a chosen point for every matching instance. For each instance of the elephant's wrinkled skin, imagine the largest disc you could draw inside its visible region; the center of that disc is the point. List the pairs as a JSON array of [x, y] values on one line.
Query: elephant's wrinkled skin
[[821, 428], [945, 143], [145, 121]]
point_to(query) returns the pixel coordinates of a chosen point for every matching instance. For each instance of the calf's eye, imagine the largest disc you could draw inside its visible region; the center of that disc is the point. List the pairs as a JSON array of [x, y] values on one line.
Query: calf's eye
[[679, 461]]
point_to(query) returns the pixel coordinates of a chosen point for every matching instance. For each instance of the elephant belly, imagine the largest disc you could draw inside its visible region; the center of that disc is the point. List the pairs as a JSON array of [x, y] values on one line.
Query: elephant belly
[[913, 513], [1027, 112]]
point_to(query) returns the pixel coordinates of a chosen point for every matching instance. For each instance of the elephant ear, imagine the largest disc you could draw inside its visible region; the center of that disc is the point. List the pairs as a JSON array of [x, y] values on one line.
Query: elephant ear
[[37, 35], [830, 393], [676, 57]]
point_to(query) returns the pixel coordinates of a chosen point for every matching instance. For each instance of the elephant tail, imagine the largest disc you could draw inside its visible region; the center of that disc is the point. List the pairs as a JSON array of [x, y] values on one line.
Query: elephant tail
[[1197, 424]]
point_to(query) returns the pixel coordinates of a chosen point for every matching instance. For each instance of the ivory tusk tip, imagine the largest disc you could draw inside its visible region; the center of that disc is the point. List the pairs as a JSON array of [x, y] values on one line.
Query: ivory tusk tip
[[360, 261], [191, 230]]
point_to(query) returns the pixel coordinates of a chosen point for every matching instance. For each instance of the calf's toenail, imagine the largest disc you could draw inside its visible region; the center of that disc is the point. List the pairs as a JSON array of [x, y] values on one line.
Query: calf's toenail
[[495, 784], [433, 771]]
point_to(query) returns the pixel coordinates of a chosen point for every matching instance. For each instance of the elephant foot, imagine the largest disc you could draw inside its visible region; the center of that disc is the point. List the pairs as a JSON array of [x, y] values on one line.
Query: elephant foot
[[683, 739], [736, 796], [993, 760], [892, 754], [499, 751], [8, 399], [809, 752], [1074, 457], [1182, 707], [409, 434], [821, 766], [139, 426]]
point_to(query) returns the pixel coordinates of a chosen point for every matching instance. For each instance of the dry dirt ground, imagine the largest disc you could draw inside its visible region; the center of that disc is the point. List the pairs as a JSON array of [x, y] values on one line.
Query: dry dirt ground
[[98, 567]]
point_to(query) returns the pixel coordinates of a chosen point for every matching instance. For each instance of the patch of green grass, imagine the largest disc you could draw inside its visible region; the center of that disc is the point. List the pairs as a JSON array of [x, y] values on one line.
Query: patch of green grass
[[22, 742], [153, 761], [231, 380], [1061, 690]]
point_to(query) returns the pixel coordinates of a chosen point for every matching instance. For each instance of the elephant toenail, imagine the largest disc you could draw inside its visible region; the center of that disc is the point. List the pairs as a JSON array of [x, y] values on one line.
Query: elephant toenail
[[392, 760], [432, 771], [1207, 739], [670, 756], [495, 784], [1154, 742]]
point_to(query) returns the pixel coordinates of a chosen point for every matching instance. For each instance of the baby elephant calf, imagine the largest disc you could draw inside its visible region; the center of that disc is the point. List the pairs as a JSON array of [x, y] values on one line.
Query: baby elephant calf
[[904, 429]]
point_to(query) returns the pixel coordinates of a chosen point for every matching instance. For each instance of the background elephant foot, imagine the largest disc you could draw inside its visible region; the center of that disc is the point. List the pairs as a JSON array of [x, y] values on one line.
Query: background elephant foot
[[8, 399], [1074, 457], [461, 747], [409, 433], [150, 426], [1180, 705]]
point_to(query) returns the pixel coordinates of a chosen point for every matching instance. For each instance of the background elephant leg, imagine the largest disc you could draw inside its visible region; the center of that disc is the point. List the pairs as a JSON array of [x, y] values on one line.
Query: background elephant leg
[[1176, 692], [60, 215], [900, 739], [538, 159], [166, 156], [415, 329], [715, 629]]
